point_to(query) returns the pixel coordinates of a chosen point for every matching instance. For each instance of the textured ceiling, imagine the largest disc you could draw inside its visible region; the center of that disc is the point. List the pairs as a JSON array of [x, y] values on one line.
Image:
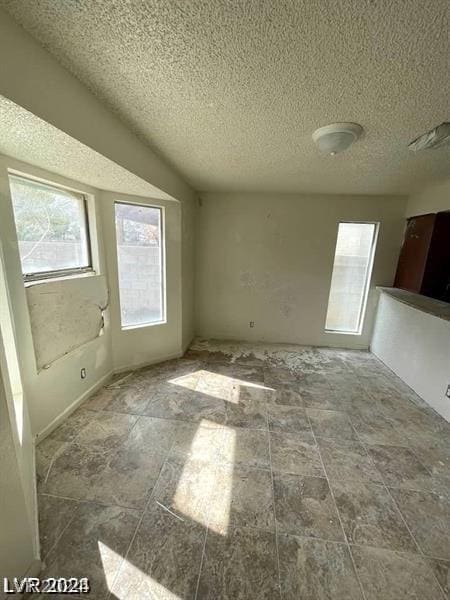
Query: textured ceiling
[[27, 138], [230, 91]]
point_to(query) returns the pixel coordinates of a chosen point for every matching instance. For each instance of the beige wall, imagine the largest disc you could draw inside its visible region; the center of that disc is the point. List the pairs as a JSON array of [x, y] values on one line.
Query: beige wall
[[431, 199], [18, 543], [52, 93], [268, 258], [52, 393], [144, 345], [189, 219], [424, 367]]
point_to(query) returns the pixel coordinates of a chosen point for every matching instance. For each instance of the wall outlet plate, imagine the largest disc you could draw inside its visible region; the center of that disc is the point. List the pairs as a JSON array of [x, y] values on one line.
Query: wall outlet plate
[[447, 393], [252, 323], [83, 373]]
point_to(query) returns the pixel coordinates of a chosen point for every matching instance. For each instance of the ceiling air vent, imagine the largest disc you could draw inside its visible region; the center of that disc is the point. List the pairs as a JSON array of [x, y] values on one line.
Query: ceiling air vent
[[435, 138]]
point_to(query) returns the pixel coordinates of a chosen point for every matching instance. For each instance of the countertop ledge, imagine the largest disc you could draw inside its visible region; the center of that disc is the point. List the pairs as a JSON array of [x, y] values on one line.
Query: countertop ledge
[[428, 305]]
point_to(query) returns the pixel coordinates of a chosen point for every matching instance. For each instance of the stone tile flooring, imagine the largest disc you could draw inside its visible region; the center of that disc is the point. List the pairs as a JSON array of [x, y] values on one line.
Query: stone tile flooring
[[250, 472]]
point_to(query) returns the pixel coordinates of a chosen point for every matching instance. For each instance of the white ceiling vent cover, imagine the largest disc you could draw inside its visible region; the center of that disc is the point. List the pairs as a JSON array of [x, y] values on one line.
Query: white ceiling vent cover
[[435, 138], [337, 137]]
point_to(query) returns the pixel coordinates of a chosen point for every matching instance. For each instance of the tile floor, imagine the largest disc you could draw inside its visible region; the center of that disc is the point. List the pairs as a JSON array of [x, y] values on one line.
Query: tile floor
[[282, 473]]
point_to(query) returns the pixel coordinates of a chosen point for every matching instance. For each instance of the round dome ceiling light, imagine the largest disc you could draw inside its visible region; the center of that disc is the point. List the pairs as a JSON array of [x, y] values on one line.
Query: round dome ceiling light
[[337, 137]]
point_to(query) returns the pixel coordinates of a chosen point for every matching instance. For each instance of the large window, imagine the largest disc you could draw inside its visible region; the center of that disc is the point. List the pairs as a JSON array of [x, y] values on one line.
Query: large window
[[352, 269], [52, 229], [140, 261]]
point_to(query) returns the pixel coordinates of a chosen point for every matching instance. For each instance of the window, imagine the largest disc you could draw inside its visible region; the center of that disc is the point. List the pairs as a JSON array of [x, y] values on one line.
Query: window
[[140, 263], [353, 260], [52, 229]]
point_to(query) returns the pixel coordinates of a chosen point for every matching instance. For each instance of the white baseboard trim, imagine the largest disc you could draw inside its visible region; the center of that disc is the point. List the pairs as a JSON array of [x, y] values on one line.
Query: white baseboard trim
[[100, 383], [34, 570], [35, 508], [71, 408], [187, 344], [148, 363], [353, 344]]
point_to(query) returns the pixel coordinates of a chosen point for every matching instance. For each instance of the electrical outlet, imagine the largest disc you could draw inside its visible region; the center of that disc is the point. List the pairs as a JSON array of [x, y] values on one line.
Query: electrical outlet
[[447, 393], [83, 373], [252, 323]]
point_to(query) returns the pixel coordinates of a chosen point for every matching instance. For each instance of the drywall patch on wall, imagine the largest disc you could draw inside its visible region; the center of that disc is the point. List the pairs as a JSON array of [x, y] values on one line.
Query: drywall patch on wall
[[282, 293], [65, 315]]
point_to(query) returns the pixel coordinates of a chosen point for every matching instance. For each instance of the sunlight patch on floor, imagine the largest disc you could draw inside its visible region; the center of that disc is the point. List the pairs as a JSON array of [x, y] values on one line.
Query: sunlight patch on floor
[[243, 389], [215, 385], [131, 581], [189, 382], [204, 488]]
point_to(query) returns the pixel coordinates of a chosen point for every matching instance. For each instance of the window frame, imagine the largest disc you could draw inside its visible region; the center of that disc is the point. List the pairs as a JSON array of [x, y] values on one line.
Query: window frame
[[58, 273], [365, 296], [162, 254]]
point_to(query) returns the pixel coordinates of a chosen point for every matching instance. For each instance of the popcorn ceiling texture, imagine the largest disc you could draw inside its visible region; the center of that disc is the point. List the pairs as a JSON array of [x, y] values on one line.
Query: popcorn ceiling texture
[[30, 139], [230, 92]]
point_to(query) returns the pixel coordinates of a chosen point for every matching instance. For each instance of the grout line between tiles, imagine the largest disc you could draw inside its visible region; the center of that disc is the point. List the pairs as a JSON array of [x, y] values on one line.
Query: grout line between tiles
[[54, 457], [337, 511], [124, 558], [62, 532], [268, 433], [65, 445], [414, 451], [388, 491], [274, 505], [208, 518], [90, 501], [201, 563], [353, 545]]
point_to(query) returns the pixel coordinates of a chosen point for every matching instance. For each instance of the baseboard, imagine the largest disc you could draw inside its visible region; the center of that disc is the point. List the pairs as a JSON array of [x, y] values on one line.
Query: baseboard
[[34, 570], [187, 344], [100, 383], [148, 363], [35, 515], [71, 408], [217, 337]]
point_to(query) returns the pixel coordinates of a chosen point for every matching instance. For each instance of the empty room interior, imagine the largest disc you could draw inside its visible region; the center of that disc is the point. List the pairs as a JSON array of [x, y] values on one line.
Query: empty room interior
[[225, 299]]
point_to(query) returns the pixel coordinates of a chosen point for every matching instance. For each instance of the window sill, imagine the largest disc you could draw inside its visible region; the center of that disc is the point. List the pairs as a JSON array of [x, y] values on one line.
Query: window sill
[[59, 278], [332, 331], [143, 325]]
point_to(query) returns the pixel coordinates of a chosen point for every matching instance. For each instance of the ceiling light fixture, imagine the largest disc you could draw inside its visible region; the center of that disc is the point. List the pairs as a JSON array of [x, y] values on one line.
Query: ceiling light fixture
[[337, 137]]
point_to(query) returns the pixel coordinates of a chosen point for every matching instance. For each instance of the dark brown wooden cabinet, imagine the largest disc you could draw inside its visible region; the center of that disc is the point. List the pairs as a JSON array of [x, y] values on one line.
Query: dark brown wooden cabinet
[[424, 262]]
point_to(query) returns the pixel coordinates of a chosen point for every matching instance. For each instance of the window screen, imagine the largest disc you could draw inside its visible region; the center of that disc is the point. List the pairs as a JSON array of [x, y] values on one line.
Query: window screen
[[140, 262], [52, 229], [352, 268]]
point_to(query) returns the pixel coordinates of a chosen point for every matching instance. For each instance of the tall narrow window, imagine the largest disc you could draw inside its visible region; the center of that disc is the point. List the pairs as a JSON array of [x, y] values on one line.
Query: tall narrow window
[[52, 229], [352, 268], [140, 261]]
